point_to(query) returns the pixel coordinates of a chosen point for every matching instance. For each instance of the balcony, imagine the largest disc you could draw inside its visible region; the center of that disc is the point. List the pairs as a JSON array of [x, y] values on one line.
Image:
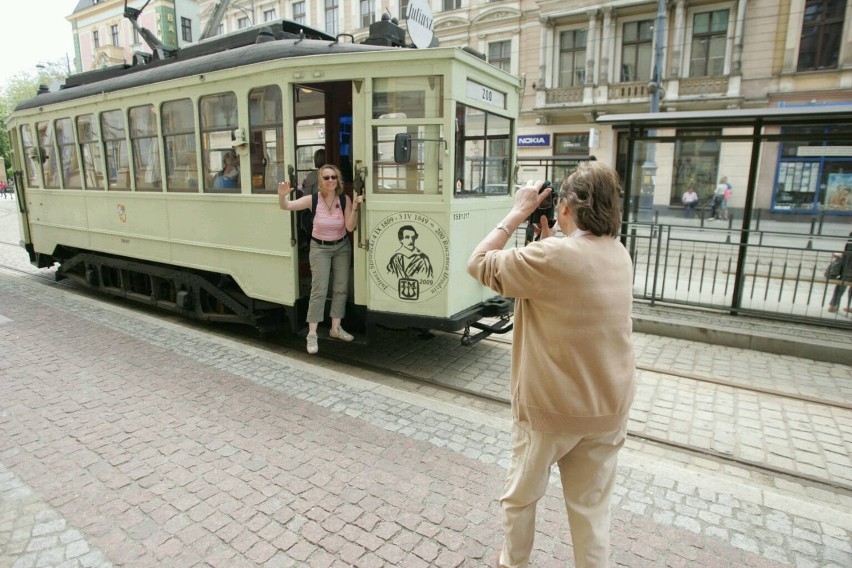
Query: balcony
[[624, 92], [564, 95], [700, 86]]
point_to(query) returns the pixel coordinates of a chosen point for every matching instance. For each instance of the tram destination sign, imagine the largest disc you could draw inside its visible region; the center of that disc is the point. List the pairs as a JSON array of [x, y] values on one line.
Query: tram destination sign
[[487, 95]]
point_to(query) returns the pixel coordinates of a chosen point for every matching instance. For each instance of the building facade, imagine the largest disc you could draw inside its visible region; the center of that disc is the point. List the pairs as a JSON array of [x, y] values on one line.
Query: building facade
[[103, 37], [581, 59]]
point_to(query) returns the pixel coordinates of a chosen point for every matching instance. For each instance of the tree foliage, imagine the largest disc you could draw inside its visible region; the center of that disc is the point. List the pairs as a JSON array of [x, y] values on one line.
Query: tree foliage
[[23, 86]]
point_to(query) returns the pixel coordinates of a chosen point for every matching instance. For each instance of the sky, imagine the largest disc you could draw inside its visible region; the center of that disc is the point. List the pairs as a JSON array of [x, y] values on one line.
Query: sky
[[35, 31]]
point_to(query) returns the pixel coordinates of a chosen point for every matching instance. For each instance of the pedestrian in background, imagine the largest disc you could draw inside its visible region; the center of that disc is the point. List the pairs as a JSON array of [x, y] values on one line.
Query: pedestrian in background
[[572, 372], [690, 201], [845, 278], [3, 188], [719, 199], [311, 182]]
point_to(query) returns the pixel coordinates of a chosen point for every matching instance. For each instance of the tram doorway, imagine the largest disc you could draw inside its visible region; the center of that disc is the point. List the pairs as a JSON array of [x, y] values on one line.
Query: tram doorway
[[324, 131]]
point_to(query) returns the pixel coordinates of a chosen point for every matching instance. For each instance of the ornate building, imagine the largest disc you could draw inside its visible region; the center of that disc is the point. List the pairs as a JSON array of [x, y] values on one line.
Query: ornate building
[[579, 58]]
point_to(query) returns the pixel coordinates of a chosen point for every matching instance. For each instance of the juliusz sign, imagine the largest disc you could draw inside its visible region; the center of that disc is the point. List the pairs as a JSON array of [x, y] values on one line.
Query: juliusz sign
[[534, 140]]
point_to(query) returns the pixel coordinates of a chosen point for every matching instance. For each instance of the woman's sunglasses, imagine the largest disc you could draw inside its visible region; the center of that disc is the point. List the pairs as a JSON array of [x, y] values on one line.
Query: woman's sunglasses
[[326, 178]]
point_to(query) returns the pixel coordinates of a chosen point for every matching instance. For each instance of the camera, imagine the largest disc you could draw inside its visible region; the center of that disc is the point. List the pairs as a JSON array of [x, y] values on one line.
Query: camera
[[547, 207]]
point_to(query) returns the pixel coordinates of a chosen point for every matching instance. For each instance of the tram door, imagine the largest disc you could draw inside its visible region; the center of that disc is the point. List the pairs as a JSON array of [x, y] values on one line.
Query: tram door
[[324, 135]]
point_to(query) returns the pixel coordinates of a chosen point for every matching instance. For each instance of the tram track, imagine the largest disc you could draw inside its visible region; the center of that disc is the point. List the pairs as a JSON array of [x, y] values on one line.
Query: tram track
[[293, 345], [740, 385], [706, 453]]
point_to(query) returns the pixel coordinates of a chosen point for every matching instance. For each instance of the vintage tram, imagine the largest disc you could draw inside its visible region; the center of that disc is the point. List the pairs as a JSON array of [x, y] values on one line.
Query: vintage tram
[[119, 175]]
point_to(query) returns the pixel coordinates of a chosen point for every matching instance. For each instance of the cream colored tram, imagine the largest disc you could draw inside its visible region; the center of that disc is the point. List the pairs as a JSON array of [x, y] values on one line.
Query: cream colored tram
[[120, 177]]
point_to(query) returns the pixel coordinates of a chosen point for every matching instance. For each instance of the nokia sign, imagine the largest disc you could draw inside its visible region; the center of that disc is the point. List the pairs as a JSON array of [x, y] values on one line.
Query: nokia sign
[[534, 140]]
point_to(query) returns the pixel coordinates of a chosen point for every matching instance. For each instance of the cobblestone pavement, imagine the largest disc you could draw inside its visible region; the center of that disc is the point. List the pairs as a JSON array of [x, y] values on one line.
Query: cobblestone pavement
[[126, 439]]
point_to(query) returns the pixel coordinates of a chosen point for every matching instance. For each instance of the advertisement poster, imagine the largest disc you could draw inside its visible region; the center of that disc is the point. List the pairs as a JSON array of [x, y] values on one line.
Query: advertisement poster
[[838, 195]]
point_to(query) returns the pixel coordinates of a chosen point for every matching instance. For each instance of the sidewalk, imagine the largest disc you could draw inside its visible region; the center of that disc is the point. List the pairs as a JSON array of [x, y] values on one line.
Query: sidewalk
[[128, 440]]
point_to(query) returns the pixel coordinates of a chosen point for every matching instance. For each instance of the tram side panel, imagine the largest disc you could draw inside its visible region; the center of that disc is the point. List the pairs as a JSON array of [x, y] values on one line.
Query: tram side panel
[[472, 220], [245, 238]]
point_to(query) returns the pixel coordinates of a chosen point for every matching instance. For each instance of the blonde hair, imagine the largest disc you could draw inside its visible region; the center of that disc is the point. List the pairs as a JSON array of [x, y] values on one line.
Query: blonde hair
[[334, 168]]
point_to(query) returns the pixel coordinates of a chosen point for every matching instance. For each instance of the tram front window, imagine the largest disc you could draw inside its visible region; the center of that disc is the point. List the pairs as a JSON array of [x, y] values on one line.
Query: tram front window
[[483, 153], [395, 102]]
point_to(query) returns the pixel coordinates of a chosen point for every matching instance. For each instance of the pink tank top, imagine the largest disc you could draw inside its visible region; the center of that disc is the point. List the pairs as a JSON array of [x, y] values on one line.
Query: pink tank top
[[329, 227]]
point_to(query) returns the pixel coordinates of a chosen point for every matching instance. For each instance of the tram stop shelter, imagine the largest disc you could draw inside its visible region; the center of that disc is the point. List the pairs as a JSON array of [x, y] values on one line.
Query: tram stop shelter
[[765, 249]]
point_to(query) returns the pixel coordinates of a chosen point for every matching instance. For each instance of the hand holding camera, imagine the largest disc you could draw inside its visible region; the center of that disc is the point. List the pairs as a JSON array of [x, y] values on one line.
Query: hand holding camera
[[547, 208]]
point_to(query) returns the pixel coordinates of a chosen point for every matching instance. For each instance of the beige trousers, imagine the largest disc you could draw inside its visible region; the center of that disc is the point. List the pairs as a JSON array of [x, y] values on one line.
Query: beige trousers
[[587, 467]]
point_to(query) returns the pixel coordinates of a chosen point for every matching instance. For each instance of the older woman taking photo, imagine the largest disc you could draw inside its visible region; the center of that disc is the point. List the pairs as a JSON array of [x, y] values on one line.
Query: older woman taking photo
[[572, 368], [331, 253]]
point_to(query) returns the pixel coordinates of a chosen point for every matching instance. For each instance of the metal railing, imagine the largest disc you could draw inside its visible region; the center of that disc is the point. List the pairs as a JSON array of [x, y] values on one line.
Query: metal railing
[[780, 275]]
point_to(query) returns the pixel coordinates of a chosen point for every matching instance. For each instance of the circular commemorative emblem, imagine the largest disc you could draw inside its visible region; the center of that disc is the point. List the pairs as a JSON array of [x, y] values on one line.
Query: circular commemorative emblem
[[409, 257]]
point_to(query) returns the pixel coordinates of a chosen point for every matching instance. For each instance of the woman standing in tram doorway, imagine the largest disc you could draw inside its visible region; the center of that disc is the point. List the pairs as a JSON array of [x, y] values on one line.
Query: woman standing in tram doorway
[[331, 252]]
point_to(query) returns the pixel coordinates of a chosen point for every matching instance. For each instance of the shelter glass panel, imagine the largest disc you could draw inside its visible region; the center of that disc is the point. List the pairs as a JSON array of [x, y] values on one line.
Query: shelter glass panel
[[181, 158], [814, 174], [47, 153], [114, 134], [696, 164], [218, 122], [266, 147], [146, 153], [68, 154]]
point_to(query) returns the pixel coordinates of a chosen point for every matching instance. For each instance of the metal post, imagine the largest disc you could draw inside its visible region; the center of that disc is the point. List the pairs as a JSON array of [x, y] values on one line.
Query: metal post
[[655, 87], [810, 244]]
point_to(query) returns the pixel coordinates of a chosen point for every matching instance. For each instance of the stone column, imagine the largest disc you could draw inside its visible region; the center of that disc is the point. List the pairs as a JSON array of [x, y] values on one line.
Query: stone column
[[677, 41], [591, 46], [608, 33]]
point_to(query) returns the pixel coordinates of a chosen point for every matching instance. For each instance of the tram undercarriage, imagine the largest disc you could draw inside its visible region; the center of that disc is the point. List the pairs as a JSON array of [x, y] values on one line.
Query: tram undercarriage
[[196, 294], [209, 296]]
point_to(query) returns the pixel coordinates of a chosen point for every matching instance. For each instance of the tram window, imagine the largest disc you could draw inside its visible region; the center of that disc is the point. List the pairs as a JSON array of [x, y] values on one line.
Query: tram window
[[47, 152], [423, 174], [266, 149], [115, 149], [178, 127], [90, 150], [31, 154], [143, 145], [68, 154], [483, 153], [408, 97], [218, 121]]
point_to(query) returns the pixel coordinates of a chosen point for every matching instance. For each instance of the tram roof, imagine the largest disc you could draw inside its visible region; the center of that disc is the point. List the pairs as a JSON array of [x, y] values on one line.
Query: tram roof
[[790, 115], [232, 58]]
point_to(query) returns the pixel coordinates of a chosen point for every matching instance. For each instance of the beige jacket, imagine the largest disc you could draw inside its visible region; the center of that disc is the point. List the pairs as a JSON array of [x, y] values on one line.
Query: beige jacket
[[572, 354]]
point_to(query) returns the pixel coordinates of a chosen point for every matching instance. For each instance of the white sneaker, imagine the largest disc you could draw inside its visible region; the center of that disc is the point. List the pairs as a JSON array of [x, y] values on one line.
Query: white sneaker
[[340, 334], [313, 345]]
